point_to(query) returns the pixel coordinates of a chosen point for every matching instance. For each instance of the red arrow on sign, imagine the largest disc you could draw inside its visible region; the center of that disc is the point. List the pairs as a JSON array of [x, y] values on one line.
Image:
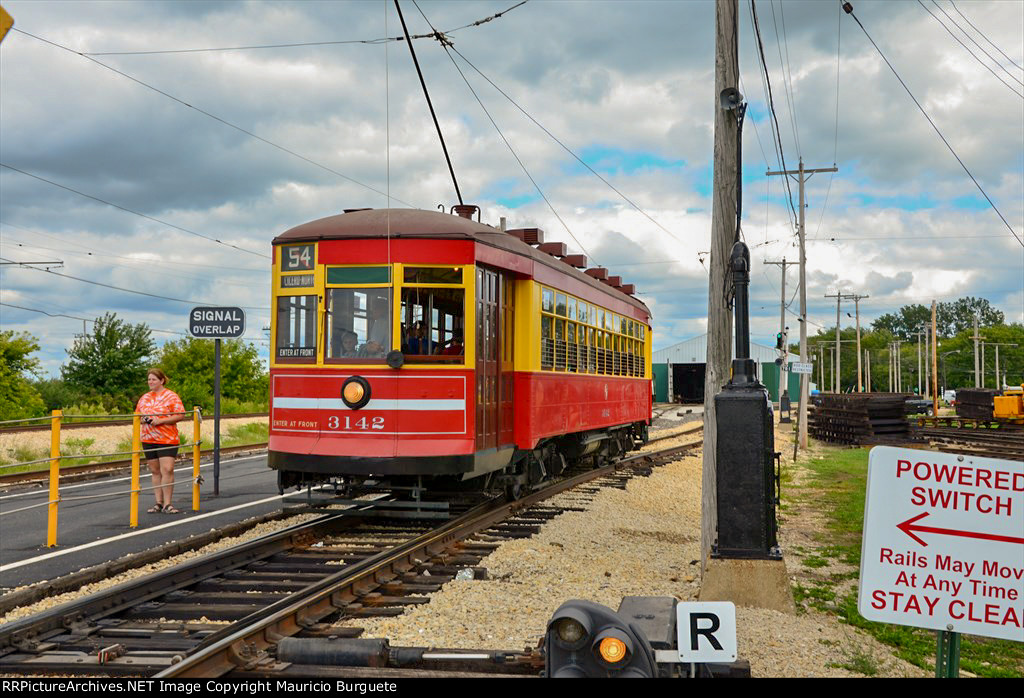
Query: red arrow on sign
[[908, 527]]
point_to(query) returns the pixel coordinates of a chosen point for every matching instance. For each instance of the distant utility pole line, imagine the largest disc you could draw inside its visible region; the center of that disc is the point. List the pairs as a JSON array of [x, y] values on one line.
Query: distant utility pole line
[[782, 327], [839, 296], [802, 175], [856, 304]]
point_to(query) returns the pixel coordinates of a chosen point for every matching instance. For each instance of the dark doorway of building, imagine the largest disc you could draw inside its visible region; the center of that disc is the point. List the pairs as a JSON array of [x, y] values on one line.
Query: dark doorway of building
[[687, 382]]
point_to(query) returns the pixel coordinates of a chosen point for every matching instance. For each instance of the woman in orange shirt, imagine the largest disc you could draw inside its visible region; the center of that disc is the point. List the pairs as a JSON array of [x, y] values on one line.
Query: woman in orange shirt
[[161, 409]]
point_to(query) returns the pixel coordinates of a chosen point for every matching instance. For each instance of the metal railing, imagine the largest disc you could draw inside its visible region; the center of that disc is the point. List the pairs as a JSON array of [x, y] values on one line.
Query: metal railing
[[56, 456]]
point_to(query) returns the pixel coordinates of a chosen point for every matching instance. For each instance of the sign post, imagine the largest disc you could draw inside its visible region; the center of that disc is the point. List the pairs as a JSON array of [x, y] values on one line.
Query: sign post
[[216, 323], [943, 546]]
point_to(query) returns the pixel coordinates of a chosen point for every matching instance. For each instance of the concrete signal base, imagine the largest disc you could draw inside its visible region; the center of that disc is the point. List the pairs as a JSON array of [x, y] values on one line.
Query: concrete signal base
[[755, 583]]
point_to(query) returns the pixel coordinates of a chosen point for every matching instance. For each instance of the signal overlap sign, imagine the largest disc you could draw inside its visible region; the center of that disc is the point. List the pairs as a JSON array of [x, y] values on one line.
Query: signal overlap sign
[[943, 544], [216, 323]]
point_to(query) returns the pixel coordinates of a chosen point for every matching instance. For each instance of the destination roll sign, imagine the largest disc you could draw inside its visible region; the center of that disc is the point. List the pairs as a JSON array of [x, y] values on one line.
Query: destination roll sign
[[216, 323]]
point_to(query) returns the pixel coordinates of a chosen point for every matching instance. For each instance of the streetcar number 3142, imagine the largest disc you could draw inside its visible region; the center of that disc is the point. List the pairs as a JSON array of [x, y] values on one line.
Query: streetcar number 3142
[[346, 423]]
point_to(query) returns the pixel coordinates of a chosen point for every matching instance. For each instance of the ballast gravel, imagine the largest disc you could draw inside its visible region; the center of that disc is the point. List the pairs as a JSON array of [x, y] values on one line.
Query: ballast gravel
[[644, 541]]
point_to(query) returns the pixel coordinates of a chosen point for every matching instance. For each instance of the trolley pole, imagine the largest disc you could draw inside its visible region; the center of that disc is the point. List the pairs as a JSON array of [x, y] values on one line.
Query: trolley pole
[[802, 176]]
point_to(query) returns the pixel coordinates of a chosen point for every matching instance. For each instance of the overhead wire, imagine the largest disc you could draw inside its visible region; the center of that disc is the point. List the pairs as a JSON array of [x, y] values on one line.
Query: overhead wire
[[563, 145], [136, 213], [216, 118], [85, 319], [771, 105], [120, 288], [972, 54], [444, 44], [92, 251], [787, 74], [984, 36], [848, 8], [381, 40], [106, 260], [835, 142], [975, 42]]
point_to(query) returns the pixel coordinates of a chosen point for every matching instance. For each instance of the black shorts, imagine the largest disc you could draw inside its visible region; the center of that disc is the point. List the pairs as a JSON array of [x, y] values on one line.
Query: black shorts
[[154, 451]]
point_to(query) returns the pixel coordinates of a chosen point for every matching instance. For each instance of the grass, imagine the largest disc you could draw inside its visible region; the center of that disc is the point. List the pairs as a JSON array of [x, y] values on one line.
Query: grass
[[837, 487]]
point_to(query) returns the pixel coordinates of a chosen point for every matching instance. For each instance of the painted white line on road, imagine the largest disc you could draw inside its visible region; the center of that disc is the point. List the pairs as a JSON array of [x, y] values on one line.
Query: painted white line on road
[[190, 519], [142, 474]]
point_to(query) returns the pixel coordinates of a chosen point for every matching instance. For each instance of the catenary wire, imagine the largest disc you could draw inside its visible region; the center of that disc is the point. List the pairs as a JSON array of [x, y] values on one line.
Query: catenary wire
[[218, 119], [444, 44], [119, 288], [381, 40], [128, 210]]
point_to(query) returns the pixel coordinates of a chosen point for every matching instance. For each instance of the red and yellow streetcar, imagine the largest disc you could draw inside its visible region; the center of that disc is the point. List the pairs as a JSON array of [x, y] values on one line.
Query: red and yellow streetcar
[[413, 346]]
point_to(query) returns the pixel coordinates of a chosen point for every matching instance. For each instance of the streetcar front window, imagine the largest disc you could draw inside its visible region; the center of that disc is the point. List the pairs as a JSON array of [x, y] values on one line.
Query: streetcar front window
[[433, 324], [296, 328], [358, 323]]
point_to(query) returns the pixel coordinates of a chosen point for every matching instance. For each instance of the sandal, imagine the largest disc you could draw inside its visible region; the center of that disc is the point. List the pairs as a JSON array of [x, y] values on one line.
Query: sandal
[[169, 509], [156, 509]]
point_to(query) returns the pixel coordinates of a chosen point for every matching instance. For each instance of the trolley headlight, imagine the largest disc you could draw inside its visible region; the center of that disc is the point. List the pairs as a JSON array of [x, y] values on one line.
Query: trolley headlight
[[355, 392]]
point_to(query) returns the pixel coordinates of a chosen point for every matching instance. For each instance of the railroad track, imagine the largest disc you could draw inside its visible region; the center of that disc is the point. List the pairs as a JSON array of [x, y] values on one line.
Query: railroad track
[[240, 611]]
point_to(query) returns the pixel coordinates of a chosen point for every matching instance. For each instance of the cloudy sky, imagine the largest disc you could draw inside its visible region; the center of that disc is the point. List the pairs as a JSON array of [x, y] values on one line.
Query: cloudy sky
[[144, 164]]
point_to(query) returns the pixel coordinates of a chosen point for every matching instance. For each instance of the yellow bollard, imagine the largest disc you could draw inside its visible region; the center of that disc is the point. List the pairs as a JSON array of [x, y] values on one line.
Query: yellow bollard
[[195, 458], [51, 524], [136, 447]]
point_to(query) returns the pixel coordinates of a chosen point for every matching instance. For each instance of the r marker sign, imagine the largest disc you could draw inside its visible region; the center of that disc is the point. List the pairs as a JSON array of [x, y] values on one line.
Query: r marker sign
[[943, 544]]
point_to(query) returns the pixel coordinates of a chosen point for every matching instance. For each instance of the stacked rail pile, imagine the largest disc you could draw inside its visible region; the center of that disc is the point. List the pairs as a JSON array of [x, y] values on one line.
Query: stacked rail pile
[[975, 403], [988, 439], [859, 418]]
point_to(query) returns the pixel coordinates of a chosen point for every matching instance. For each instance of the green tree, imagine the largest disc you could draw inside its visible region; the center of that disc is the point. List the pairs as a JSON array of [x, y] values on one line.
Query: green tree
[[112, 360], [950, 318], [189, 365], [18, 398]]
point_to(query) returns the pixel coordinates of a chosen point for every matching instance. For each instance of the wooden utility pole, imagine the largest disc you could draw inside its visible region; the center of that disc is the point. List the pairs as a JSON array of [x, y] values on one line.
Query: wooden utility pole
[[782, 330], [723, 235], [802, 175], [838, 385], [977, 338], [867, 369], [856, 304], [935, 372]]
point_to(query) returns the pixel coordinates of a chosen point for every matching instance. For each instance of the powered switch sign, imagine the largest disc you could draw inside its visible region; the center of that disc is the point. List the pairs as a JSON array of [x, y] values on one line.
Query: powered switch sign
[[943, 544]]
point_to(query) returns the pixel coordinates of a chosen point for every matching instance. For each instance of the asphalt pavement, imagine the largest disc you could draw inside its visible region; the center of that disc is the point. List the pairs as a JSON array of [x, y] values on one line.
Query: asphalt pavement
[[93, 520]]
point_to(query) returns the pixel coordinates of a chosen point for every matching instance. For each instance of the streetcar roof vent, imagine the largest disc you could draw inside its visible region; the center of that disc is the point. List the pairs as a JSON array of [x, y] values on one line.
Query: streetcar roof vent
[[531, 236], [576, 260], [555, 249], [599, 273]]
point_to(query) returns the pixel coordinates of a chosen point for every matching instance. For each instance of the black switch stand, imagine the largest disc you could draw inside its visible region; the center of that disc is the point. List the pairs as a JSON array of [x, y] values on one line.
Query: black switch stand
[[745, 454]]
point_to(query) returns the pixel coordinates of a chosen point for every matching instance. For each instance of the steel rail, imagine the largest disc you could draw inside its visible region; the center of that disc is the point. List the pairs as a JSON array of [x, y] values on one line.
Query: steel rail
[[245, 644], [131, 593]]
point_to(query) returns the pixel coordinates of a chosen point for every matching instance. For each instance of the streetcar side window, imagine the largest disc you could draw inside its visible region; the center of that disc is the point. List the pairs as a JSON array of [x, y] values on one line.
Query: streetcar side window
[[358, 323], [433, 324], [296, 328]]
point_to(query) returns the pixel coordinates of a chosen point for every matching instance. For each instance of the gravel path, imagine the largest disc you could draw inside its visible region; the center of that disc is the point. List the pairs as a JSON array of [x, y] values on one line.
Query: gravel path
[[644, 540]]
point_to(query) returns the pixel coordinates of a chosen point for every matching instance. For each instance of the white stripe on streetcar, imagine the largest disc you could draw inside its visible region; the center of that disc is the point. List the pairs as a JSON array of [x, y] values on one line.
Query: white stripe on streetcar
[[325, 403]]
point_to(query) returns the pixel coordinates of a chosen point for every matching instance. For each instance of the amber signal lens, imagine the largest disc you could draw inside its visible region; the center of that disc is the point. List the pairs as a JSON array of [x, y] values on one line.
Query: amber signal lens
[[353, 392], [612, 650]]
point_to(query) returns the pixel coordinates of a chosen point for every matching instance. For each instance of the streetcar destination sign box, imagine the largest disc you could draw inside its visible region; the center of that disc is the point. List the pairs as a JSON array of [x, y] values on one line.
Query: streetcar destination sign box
[[943, 544], [216, 323]]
